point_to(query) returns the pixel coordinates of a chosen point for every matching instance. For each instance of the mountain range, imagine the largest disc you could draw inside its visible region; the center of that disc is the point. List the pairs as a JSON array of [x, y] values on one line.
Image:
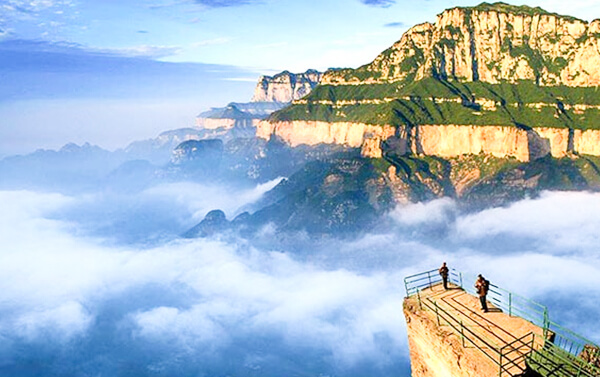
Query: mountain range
[[530, 76], [488, 105]]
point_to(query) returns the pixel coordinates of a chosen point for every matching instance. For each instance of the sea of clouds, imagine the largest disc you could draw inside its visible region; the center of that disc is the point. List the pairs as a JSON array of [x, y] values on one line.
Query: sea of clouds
[[87, 287]]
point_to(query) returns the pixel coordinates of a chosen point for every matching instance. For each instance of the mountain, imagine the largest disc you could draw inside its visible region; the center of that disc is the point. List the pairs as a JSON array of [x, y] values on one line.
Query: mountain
[[286, 86], [272, 93], [72, 168], [510, 81], [488, 105]]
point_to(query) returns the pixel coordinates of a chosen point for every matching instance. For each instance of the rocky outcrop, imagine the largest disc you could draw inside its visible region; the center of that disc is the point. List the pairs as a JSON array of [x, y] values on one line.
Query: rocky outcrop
[[490, 43], [437, 351], [197, 151], [236, 115], [587, 142], [285, 86], [451, 141], [272, 93], [499, 79], [434, 140], [314, 132]]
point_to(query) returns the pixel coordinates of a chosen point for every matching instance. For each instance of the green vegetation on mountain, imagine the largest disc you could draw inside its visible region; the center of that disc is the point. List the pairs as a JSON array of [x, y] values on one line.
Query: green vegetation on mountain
[[470, 68], [434, 101]]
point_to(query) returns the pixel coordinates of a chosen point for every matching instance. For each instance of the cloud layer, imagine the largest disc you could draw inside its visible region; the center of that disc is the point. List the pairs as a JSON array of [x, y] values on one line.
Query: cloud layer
[[187, 304], [217, 307]]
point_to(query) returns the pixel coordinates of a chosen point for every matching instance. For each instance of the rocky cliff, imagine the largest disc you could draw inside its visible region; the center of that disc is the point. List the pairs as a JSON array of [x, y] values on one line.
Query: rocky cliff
[[436, 351], [529, 74], [272, 93], [492, 43], [285, 86]]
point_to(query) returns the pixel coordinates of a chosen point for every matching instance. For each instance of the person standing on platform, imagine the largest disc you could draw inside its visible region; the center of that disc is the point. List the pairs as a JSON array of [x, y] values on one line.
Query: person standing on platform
[[444, 274], [482, 286]]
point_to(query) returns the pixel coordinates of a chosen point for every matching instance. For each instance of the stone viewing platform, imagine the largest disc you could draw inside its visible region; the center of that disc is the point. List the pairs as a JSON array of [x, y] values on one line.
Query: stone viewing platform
[[450, 336]]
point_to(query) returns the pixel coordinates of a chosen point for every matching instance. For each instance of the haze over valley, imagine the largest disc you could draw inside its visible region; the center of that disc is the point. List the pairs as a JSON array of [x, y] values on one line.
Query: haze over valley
[[182, 210]]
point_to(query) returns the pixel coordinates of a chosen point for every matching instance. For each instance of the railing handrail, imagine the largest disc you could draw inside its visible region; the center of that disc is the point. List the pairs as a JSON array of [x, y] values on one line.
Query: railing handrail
[[496, 354], [420, 273], [584, 341], [528, 309], [583, 368], [525, 308]]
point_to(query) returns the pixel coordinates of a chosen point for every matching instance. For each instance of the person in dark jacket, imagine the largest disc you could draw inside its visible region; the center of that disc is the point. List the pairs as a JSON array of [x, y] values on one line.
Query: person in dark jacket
[[482, 286], [444, 274]]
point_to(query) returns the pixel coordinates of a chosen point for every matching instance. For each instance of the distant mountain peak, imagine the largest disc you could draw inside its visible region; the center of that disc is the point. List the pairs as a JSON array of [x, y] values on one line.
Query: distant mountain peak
[[286, 86]]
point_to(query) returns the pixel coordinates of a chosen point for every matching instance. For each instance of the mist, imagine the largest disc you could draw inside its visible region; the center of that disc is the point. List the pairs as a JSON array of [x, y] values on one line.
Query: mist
[[101, 283], [54, 94]]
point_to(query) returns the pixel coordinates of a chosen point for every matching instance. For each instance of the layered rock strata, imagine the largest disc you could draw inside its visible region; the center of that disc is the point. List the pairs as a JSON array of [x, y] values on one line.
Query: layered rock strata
[[272, 93], [436, 140], [495, 78], [285, 86], [491, 43]]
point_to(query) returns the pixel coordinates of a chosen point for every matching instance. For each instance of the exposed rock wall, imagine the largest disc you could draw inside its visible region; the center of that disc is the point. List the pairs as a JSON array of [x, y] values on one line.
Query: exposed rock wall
[[587, 142], [285, 86], [317, 132], [450, 141], [437, 140], [438, 352], [490, 43], [559, 139]]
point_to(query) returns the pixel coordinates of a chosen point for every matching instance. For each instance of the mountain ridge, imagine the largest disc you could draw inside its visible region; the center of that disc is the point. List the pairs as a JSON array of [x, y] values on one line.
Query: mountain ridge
[[519, 70]]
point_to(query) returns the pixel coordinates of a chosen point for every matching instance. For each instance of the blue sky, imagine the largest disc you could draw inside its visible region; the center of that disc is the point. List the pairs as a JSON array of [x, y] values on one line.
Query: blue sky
[[260, 34], [131, 52]]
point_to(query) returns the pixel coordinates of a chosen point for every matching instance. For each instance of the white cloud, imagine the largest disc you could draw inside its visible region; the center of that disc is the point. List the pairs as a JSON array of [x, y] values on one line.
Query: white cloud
[[60, 323], [560, 220], [435, 211], [209, 42], [201, 198], [203, 299], [55, 285], [142, 51]]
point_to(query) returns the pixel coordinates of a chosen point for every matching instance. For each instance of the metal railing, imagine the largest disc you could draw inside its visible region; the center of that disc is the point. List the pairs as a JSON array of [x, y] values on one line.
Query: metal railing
[[514, 304], [428, 279], [510, 357], [561, 354], [571, 350], [552, 360], [522, 347], [509, 302]]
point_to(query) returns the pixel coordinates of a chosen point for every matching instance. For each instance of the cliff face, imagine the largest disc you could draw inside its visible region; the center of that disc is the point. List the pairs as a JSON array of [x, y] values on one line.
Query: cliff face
[[315, 132], [285, 86], [435, 140], [438, 352], [500, 79], [271, 94], [491, 43]]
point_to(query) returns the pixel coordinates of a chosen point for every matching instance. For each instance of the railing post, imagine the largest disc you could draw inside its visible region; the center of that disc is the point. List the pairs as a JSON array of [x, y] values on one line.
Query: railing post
[[510, 304], [429, 277], [406, 287], [500, 364], [546, 324], [461, 282]]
